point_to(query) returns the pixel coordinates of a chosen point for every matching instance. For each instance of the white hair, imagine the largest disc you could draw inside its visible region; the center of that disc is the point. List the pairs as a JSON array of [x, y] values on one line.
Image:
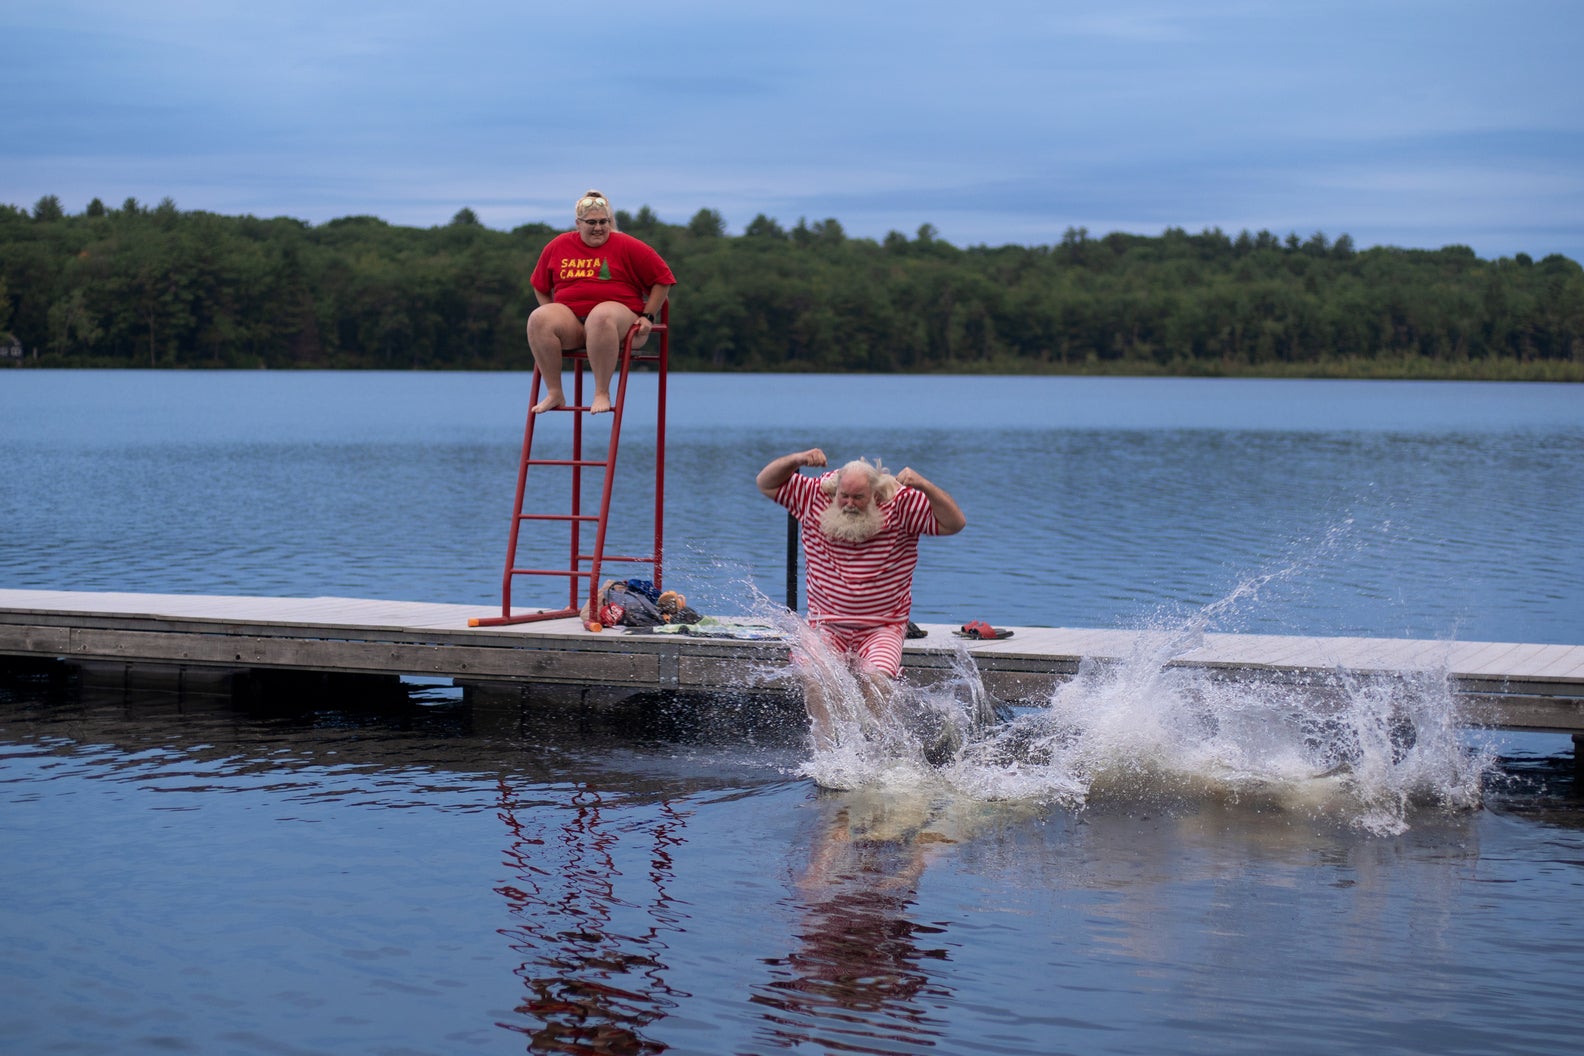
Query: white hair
[[881, 483]]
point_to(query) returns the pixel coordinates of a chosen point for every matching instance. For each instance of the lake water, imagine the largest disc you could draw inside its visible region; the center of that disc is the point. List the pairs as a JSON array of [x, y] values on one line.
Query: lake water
[[301, 873]]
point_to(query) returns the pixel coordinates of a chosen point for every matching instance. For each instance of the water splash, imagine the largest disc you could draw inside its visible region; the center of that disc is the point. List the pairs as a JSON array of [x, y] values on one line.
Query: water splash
[[1140, 731], [1367, 751]]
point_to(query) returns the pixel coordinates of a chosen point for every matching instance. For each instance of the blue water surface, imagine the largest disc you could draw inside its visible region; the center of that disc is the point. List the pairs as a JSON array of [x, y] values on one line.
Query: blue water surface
[[300, 868], [1387, 509]]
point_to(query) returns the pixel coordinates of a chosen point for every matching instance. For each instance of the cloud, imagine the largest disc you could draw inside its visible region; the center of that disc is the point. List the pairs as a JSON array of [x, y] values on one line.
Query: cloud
[[1001, 121]]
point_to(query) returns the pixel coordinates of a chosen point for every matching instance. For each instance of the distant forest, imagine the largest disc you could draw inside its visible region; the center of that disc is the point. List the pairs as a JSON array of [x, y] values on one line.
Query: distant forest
[[141, 286]]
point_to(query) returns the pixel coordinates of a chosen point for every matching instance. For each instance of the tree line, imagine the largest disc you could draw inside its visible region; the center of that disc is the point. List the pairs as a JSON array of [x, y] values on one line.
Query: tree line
[[162, 287]]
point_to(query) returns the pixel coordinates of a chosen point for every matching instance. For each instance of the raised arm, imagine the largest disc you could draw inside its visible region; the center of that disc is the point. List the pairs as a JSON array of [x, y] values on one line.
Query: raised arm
[[780, 471], [945, 508]]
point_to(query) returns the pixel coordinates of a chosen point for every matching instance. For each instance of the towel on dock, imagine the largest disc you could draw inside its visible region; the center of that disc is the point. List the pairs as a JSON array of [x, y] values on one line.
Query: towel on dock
[[710, 627]]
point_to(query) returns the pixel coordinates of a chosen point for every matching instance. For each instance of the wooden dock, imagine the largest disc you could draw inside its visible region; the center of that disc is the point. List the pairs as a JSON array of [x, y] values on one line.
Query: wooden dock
[[1502, 685]]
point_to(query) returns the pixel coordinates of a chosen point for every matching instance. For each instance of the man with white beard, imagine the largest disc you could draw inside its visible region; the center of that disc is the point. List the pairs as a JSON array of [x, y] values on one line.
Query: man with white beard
[[860, 531]]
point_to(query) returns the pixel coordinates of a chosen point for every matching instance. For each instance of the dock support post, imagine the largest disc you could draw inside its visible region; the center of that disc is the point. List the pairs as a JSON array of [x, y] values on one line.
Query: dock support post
[[1578, 759], [792, 563]]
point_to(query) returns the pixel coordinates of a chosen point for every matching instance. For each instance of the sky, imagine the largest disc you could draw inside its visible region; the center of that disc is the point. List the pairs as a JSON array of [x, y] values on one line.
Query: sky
[[1414, 123]]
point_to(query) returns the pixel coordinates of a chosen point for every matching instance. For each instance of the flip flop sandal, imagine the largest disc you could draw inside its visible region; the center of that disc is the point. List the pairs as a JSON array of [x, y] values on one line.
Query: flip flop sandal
[[981, 631], [915, 631]]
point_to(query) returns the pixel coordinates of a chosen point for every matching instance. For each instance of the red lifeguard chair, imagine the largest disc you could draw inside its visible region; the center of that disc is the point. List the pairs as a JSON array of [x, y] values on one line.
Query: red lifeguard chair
[[584, 563]]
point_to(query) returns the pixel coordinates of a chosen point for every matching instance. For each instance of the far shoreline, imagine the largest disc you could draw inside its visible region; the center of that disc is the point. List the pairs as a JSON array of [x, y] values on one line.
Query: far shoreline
[[1383, 369]]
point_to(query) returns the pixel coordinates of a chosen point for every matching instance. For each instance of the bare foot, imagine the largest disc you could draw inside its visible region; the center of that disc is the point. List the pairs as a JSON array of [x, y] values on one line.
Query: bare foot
[[601, 404], [550, 403]]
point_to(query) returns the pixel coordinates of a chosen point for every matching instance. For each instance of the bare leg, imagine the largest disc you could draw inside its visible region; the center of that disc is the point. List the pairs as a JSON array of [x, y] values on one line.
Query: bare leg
[[820, 724], [879, 693], [824, 666], [607, 325], [552, 328]]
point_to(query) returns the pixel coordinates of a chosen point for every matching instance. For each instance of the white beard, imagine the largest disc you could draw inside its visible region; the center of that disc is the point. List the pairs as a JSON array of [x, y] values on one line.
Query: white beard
[[855, 526]]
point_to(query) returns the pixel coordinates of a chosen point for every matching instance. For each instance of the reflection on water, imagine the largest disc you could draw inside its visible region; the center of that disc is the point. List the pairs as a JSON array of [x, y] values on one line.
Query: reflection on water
[[860, 979], [1149, 861], [593, 960], [308, 870]]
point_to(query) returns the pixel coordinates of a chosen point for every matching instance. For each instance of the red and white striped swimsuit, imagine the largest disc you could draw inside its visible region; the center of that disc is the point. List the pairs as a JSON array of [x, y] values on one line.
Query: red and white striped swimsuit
[[868, 584]]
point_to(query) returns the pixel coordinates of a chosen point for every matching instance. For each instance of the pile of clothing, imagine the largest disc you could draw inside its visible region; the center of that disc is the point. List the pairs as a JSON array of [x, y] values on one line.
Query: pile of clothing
[[639, 603]]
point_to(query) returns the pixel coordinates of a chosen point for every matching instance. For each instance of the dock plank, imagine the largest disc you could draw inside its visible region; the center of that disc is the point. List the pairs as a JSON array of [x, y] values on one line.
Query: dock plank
[[1517, 684]]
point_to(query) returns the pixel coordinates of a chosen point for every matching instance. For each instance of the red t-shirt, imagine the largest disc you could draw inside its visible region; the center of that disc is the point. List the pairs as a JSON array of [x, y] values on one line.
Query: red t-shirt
[[859, 584], [580, 276]]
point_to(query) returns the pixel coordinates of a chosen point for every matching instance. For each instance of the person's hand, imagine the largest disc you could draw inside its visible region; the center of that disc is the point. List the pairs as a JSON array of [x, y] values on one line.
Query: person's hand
[[812, 457], [909, 479]]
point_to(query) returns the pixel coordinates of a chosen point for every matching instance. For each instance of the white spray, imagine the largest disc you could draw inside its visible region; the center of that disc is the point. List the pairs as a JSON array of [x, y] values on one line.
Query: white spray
[[1142, 730]]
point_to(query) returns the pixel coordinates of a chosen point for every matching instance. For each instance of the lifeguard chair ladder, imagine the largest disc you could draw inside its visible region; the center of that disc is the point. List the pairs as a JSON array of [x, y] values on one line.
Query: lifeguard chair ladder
[[583, 567]]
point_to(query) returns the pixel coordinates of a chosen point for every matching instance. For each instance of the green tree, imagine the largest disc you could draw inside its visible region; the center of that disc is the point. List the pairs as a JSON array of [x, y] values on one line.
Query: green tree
[[72, 325], [763, 227], [163, 287], [707, 223]]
